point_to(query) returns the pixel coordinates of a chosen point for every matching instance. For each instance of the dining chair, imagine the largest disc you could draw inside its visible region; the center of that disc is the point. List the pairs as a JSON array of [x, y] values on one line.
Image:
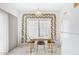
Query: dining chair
[[30, 45], [50, 45]]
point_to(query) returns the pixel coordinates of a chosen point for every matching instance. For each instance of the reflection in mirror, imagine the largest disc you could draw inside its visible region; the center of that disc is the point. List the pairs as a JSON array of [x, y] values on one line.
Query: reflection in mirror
[[38, 27]]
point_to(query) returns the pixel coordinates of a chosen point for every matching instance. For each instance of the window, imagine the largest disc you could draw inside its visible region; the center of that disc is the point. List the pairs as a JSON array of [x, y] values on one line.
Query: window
[[39, 27]]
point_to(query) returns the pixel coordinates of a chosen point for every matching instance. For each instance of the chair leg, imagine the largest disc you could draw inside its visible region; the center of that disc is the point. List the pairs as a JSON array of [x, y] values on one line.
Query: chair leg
[[30, 47], [50, 48], [37, 49]]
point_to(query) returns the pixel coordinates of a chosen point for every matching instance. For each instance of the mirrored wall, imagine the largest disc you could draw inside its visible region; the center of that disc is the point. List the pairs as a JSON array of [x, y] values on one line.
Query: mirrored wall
[[34, 26], [38, 27]]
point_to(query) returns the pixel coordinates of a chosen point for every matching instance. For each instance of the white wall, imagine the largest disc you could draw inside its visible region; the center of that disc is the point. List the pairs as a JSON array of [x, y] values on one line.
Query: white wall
[[70, 32], [8, 32], [58, 28], [9, 9], [13, 37], [4, 39], [70, 44]]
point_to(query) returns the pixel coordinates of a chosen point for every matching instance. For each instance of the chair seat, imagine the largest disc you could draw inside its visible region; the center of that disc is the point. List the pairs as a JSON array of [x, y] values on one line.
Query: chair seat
[[31, 42], [50, 41], [40, 43]]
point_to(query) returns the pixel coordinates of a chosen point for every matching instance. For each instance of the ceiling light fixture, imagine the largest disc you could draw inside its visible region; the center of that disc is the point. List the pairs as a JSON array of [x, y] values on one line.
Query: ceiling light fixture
[[38, 13], [66, 12]]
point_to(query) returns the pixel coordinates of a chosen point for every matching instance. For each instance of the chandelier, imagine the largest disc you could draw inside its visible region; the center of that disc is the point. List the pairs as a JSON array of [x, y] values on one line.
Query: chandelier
[[38, 13]]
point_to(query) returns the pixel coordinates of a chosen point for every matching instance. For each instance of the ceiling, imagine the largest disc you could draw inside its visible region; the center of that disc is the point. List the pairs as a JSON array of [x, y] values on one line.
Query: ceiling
[[35, 6]]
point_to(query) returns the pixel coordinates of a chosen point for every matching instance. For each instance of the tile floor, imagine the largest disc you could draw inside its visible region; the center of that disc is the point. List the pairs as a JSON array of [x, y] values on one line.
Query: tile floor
[[23, 50]]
